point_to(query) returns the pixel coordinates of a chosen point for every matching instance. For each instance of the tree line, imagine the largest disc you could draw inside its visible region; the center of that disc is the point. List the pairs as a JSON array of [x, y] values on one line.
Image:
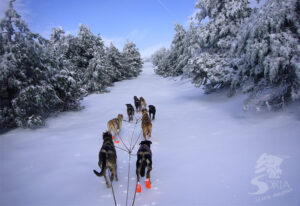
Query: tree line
[[239, 49], [40, 77]]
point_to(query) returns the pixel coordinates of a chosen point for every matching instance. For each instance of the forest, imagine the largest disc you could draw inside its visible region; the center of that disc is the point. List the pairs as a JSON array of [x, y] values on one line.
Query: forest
[[240, 49], [40, 77]]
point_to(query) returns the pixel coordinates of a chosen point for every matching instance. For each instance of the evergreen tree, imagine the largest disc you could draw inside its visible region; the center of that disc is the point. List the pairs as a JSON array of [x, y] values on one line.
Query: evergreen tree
[[133, 61], [157, 56], [175, 57], [25, 68], [99, 74], [211, 65], [256, 51], [116, 62], [192, 43], [64, 79], [266, 55], [174, 60], [81, 50], [225, 19], [209, 70], [40, 77], [160, 61]]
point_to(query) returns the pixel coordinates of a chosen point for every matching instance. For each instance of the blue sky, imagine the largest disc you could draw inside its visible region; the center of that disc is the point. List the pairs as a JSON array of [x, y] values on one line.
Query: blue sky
[[148, 23]]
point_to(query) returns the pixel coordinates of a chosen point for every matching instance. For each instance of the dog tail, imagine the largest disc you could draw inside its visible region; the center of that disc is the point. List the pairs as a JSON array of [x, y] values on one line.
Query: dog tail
[[97, 173], [143, 169], [103, 157]]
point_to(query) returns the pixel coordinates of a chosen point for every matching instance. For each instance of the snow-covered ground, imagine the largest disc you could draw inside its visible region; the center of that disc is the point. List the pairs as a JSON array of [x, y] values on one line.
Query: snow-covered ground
[[206, 151]]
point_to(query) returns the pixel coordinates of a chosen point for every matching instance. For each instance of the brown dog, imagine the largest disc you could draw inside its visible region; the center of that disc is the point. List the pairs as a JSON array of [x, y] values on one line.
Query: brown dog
[[143, 103], [107, 159], [115, 125], [146, 124]]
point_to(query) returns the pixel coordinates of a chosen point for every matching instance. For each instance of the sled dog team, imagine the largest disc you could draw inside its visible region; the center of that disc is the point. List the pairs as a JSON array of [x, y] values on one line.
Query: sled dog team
[[108, 155]]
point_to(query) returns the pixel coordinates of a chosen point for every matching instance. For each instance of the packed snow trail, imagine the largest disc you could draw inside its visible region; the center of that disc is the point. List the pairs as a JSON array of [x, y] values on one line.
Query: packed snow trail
[[205, 151]]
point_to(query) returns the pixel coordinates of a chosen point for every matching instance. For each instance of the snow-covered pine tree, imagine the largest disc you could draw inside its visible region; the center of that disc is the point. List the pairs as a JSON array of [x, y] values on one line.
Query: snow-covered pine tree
[[267, 55], [116, 61], [209, 70], [157, 56], [99, 74], [225, 19], [159, 60], [64, 79], [26, 95], [34, 104], [191, 41], [176, 58], [81, 50], [211, 66], [133, 62], [191, 48]]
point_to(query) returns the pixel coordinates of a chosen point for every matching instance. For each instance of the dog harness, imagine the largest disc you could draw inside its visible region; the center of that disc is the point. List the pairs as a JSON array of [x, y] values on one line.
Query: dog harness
[[143, 148]]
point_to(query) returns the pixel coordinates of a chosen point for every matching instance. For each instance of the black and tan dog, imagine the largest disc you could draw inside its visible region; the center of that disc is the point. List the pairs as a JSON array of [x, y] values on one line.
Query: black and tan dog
[[152, 111], [137, 103], [115, 125], [143, 103], [146, 124], [130, 112], [107, 159], [144, 160]]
